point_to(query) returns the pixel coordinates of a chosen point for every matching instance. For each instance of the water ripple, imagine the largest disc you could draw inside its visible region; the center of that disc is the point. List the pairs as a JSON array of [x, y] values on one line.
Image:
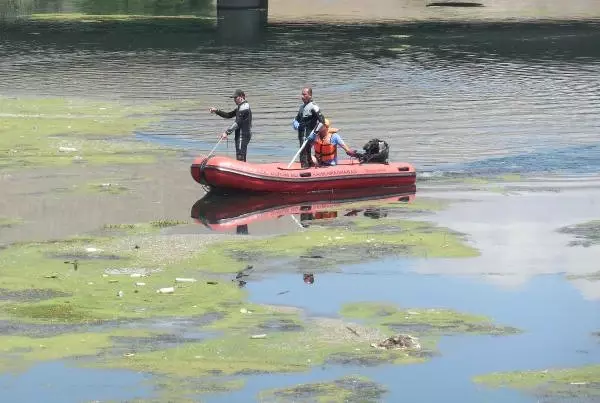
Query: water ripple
[[449, 97]]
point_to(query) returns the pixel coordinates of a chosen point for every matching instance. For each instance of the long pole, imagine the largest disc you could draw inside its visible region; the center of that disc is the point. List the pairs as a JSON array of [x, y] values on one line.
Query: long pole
[[215, 147], [298, 153]]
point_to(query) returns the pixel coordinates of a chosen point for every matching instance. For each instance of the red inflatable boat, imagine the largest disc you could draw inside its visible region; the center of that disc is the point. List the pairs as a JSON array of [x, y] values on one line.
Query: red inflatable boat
[[220, 172]]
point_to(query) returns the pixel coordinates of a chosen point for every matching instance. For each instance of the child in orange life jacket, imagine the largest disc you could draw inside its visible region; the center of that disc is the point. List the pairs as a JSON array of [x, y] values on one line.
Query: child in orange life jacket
[[325, 143]]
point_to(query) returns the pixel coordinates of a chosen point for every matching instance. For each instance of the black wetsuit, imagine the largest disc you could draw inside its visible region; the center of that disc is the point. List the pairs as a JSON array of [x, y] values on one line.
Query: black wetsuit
[[309, 116], [242, 127]]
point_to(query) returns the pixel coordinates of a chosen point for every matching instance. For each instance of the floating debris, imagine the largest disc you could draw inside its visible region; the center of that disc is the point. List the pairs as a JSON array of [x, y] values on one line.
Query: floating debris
[[185, 280], [308, 278], [398, 342], [353, 331], [283, 292], [243, 273], [454, 4], [258, 336], [75, 263], [166, 290], [130, 270]]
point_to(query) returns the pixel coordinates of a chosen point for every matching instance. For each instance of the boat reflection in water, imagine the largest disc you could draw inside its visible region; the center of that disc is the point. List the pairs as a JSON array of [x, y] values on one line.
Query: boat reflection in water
[[234, 213]]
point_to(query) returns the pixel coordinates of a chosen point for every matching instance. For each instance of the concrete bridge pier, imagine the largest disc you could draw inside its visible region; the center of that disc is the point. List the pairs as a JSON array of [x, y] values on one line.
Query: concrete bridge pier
[[241, 21]]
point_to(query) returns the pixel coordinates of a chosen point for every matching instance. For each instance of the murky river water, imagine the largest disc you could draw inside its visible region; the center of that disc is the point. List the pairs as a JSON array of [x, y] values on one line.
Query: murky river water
[[453, 98], [439, 93]]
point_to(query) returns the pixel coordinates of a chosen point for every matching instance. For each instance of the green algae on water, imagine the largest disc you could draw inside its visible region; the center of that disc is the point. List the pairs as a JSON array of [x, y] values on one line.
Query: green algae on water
[[586, 234], [588, 276], [6, 222], [165, 223], [347, 389], [55, 131], [104, 284], [575, 383], [174, 389], [361, 239], [238, 353], [423, 321], [24, 351]]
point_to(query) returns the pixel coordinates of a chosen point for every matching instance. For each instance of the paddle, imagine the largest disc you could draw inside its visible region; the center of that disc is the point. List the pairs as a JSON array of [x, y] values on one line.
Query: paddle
[[298, 153], [215, 147]]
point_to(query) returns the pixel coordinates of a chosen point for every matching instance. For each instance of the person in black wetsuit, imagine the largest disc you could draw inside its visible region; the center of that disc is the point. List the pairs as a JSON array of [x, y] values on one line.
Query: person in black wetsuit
[[242, 125], [308, 120]]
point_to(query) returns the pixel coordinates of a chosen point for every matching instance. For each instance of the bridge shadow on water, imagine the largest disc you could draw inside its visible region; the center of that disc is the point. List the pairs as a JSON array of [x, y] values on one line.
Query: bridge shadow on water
[[248, 31]]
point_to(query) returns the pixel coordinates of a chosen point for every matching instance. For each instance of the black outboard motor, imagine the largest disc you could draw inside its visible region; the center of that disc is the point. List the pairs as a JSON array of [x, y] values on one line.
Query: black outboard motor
[[376, 151]]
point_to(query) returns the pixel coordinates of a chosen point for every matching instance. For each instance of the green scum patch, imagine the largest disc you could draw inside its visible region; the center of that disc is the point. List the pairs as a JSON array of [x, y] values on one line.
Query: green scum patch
[[581, 383], [94, 285], [254, 318], [174, 389], [241, 352], [347, 389], [25, 351], [54, 131], [100, 280], [6, 222], [360, 239], [401, 204], [586, 234], [594, 276], [423, 321]]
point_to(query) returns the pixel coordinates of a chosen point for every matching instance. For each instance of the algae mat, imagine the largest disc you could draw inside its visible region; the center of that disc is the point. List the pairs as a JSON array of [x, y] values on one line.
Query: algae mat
[[577, 384], [37, 132], [84, 288]]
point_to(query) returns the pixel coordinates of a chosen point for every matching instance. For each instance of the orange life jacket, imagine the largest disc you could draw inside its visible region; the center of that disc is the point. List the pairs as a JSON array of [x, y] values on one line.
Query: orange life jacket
[[325, 152]]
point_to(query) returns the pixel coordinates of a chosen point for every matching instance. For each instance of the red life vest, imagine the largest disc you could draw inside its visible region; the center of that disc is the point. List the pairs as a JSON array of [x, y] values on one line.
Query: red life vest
[[325, 152]]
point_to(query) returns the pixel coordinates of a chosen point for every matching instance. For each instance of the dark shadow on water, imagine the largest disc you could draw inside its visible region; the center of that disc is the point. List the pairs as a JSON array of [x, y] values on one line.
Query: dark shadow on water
[[248, 32], [223, 212], [241, 27]]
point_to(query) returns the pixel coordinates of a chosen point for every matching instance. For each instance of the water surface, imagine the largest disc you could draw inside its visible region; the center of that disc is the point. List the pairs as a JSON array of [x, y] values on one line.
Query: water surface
[[461, 94], [557, 324], [438, 92], [60, 382]]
